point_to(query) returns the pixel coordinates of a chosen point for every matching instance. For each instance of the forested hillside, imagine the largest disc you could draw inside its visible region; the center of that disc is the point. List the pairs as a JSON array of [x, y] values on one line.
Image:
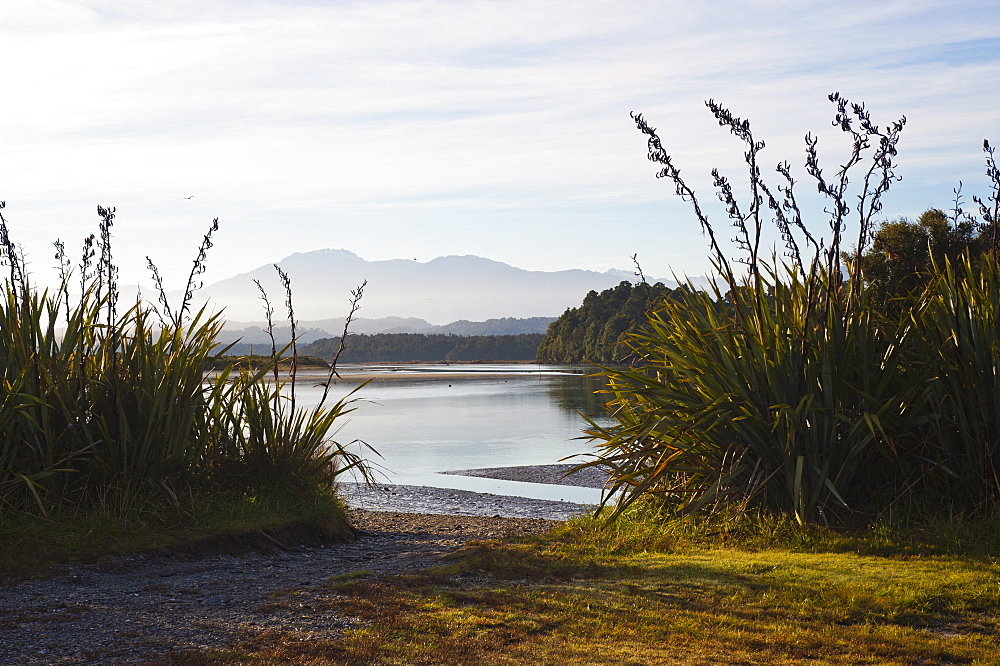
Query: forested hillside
[[492, 327], [593, 332], [402, 347]]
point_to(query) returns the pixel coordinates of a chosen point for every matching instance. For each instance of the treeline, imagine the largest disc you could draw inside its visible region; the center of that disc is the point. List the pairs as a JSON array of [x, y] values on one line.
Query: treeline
[[594, 331], [257, 361], [403, 347], [496, 326], [906, 255]]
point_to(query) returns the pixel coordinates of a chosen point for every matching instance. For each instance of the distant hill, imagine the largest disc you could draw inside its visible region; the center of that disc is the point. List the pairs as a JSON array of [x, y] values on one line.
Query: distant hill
[[501, 326], [593, 332], [446, 289], [252, 336]]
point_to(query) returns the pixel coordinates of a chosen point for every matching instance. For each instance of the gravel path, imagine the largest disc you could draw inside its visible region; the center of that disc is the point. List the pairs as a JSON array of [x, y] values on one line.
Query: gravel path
[[133, 609]]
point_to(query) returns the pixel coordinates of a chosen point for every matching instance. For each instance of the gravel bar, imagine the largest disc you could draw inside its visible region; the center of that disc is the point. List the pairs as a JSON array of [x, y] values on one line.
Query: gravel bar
[[140, 609], [452, 502], [449, 501], [591, 477]]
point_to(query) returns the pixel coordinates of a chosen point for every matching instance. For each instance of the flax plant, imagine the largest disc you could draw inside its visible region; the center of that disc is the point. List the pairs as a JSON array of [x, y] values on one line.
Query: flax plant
[[958, 323], [268, 437], [96, 401], [786, 408], [265, 442], [781, 388]]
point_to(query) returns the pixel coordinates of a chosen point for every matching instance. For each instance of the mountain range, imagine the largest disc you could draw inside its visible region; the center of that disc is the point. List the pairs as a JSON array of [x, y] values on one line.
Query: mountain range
[[416, 296], [254, 333]]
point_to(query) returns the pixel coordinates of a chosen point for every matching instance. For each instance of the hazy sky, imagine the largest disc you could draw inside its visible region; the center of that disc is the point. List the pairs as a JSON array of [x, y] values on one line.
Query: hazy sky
[[425, 128]]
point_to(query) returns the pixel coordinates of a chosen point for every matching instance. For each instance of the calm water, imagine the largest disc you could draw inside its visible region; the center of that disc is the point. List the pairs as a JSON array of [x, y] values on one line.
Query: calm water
[[529, 416]]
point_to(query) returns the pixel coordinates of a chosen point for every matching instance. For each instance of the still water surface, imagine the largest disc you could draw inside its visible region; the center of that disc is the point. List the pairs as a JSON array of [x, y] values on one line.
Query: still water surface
[[494, 416]]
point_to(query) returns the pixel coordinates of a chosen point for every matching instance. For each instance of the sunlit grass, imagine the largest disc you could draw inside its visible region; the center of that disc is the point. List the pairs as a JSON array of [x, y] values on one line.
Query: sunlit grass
[[560, 599]]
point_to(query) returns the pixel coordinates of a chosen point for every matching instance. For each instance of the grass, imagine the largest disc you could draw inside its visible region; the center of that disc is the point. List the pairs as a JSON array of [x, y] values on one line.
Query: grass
[[566, 598], [127, 525]]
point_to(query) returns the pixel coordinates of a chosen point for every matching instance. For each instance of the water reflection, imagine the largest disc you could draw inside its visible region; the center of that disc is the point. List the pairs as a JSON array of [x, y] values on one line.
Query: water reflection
[[581, 396], [429, 425]]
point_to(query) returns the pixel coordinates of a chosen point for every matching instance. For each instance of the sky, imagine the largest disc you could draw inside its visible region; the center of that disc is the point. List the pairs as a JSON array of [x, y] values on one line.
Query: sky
[[416, 129]]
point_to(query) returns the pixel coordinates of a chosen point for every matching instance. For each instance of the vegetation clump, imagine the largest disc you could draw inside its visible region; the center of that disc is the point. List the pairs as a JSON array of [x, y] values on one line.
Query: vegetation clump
[[107, 409], [904, 255], [791, 387]]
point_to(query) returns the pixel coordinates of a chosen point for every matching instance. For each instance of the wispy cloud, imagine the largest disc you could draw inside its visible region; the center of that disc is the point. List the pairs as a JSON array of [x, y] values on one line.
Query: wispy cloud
[[435, 127]]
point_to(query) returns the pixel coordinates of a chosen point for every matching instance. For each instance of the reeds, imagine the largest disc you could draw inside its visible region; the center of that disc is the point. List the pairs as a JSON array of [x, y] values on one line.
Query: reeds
[[95, 401]]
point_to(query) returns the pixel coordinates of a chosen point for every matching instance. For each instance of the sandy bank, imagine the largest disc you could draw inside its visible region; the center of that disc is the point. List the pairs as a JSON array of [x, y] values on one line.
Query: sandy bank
[[353, 378]]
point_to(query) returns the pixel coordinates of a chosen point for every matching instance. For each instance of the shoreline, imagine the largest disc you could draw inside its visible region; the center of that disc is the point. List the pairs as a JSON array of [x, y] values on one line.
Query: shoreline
[[143, 607], [358, 378], [382, 372], [456, 502], [406, 376], [452, 502], [138, 607], [352, 377], [558, 474]]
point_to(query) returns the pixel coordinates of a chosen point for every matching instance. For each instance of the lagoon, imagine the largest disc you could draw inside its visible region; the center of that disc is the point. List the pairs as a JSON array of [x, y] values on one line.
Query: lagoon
[[424, 419]]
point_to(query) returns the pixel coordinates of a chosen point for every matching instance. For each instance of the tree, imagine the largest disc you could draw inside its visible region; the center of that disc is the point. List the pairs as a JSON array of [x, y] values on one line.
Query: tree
[[902, 256], [595, 332]]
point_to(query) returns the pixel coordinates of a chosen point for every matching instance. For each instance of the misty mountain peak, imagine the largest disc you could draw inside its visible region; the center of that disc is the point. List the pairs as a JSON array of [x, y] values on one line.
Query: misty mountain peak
[[327, 254], [444, 289]]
